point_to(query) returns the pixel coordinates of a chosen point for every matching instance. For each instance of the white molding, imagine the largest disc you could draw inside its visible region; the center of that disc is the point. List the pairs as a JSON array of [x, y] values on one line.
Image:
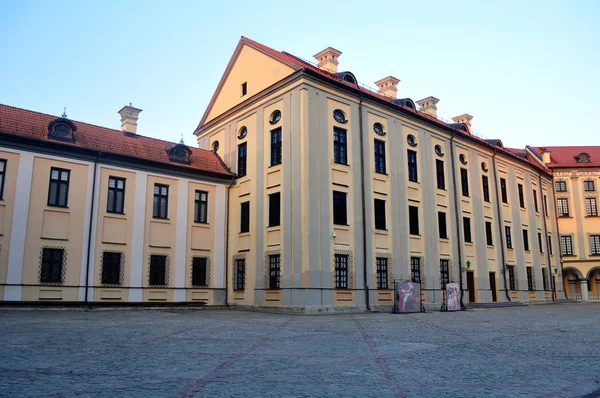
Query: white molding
[[219, 247], [181, 240], [137, 241]]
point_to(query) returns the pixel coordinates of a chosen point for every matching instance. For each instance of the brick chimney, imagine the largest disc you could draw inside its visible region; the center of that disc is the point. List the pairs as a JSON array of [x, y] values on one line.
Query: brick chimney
[[129, 118], [328, 59], [428, 105], [388, 86], [464, 118]]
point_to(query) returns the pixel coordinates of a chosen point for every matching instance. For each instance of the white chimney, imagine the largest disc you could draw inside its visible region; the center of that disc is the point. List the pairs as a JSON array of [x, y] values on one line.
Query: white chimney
[[464, 118], [545, 155], [428, 105], [388, 86], [328, 59], [129, 118]]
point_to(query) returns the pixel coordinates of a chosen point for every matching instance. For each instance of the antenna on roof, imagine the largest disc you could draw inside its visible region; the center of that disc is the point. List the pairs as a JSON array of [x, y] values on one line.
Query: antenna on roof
[[181, 141], [64, 114]]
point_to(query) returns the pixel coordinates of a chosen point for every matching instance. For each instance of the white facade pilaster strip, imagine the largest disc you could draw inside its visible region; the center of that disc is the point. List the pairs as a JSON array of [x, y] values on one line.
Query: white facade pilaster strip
[[86, 235], [181, 241], [219, 253], [137, 242]]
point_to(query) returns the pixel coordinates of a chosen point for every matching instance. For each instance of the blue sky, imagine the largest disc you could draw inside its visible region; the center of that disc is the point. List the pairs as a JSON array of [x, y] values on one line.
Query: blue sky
[[526, 70]]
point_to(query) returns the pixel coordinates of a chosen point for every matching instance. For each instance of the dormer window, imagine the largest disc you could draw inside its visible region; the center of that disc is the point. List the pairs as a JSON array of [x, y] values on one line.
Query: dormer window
[[62, 129], [179, 153], [582, 158]]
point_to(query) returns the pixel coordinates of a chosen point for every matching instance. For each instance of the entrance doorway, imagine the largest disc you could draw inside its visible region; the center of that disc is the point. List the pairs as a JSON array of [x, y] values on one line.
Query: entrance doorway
[[471, 286], [493, 286]]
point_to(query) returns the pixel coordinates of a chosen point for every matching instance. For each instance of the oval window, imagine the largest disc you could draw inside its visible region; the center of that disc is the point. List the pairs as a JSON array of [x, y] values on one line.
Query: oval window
[[242, 133], [339, 116], [378, 128], [215, 146], [484, 166], [438, 150], [411, 140], [275, 117], [462, 158]]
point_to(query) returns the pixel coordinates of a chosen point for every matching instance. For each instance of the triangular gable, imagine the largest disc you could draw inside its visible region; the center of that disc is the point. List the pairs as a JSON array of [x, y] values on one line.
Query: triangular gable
[[252, 64]]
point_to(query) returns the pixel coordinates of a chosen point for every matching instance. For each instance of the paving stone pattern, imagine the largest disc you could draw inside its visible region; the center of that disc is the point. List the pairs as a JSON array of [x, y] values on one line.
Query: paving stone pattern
[[545, 350]]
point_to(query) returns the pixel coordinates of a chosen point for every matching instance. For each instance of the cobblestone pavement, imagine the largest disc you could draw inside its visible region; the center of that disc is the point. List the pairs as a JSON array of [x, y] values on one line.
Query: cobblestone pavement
[[546, 350]]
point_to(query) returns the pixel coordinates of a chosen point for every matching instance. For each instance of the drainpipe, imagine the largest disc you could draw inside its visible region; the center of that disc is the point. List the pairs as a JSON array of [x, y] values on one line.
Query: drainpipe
[[89, 244], [364, 210], [458, 214], [546, 235], [501, 224], [227, 244]]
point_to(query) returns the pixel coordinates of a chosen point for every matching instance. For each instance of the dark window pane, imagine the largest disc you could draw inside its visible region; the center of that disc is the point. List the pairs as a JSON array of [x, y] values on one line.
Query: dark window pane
[[503, 189], [488, 233], [526, 240], [413, 174], [158, 270], [382, 272], [199, 271], [111, 268], [340, 149], [380, 222], [380, 157], [276, 147], [274, 271], [486, 188], [464, 182], [467, 229], [439, 169], [443, 232], [245, 217], [415, 269], [242, 158], [339, 208], [413, 218], [508, 238], [341, 271], [274, 209]]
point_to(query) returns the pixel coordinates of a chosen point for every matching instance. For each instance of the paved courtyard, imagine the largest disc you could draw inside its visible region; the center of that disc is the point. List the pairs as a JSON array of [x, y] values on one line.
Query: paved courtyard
[[549, 350]]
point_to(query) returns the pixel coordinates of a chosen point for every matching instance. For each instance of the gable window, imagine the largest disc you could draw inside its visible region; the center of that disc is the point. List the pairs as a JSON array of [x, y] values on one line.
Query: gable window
[[341, 271], [111, 268], [339, 208], [589, 186], [464, 182], [199, 271], [535, 202], [563, 207], [467, 229], [2, 177], [382, 272], [240, 274], [244, 217], [443, 231], [201, 207], [52, 265], [591, 210], [379, 156], [566, 246], [521, 196], [540, 242], [561, 186], [412, 166], [413, 220], [511, 277], [503, 190], [244, 88], [274, 209], [526, 240], [488, 233], [116, 195], [242, 157], [508, 237], [486, 188], [276, 147], [380, 214], [161, 201], [530, 278], [58, 193], [415, 269], [274, 270], [595, 245], [444, 273], [340, 146], [439, 171], [158, 270]]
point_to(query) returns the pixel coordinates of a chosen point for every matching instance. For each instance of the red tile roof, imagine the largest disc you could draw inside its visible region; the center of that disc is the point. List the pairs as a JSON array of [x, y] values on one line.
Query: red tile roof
[[564, 156], [34, 125]]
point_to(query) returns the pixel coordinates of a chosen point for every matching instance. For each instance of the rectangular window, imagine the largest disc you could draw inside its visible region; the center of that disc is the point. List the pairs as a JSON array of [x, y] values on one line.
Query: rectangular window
[[240, 274], [276, 147], [340, 216], [443, 231], [488, 233], [58, 192], [550, 245], [530, 278], [595, 245], [413, 220], [540, 242], [413, 174], [244, 88], [508, 237], [242, 157], [566, 246], [560, 186], [464, 182], [158, 270], [589, 186], [486, 188], [199, 271], [341, 271], [382, 272], [415, 269], [535, 202], [545, 278], [591, 210], [526, 240], [274, 209], [380, 214], [503, 190], [116, 195], [444, 273], [511, 277], [201, 206], [161, 201], [52, 265], [111, 268], [467, 229], [563, 207], [244, 217], [545, 206], [380, 157], [340, 146], [439, 171], [274, 271], [2, 177], [521, 196]]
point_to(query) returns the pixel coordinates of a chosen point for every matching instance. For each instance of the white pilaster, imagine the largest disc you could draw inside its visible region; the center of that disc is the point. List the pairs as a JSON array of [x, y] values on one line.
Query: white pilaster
[[86, 235], [181, 241], [584, 290], [137, 242], [219, 253]]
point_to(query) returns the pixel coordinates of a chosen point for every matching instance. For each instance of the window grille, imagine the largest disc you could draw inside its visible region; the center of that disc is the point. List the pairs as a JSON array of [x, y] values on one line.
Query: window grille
[[200, 274], [158, 270], [341, 271], [382, 272], [112, 268], [52, 265]]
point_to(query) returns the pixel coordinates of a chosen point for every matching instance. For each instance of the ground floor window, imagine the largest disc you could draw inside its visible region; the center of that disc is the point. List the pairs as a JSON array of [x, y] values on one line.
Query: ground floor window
[[415, 269], [382, 272], [341, 271], [199, 271], [112, 268], [530, 284], [53, 265], [444, 273], [240, 274], [274, 271], [545, 278], [158, 274], [511, 277]]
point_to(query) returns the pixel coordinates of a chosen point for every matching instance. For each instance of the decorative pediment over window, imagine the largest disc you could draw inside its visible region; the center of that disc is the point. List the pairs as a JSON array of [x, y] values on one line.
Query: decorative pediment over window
[[62, 129], [582, 158], [179, 153]]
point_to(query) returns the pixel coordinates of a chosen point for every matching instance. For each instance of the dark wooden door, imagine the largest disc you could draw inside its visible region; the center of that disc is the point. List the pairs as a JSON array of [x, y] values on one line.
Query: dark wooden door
[[471, 286], [493, 286]]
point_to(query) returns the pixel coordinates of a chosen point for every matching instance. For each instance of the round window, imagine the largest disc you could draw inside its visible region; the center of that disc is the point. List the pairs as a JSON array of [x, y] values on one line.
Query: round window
[[438, 150], [275, 117], [378, 128], [484, 166], [411, 140], [462, 158], [215, 146], [339, 116], [242, 133], [61, 130]]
